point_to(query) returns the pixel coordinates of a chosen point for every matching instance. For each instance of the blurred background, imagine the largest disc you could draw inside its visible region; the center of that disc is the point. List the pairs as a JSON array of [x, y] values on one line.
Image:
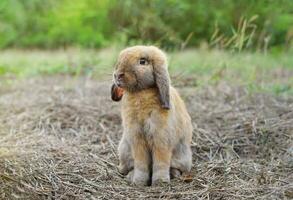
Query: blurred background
[[252, 24], [213, 39]]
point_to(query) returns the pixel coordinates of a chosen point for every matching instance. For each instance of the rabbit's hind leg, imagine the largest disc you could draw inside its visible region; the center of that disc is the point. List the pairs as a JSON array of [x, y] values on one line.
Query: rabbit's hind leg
[[181, 158], [174, 173]]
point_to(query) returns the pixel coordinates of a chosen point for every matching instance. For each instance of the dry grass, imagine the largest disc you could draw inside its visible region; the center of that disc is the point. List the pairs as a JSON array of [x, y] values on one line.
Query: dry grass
[[59, 138]]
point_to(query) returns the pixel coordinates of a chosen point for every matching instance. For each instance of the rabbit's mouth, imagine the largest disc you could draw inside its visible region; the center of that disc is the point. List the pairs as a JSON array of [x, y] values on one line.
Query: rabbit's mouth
[[127, 81], [118, 79], [120, 83]]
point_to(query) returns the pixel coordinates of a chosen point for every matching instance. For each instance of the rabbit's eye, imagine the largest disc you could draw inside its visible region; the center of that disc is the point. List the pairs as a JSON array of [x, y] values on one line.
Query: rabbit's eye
[[143, 61]]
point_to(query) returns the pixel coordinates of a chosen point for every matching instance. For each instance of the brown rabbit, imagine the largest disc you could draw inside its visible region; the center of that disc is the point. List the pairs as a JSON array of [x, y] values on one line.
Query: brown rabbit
[[157, 129]]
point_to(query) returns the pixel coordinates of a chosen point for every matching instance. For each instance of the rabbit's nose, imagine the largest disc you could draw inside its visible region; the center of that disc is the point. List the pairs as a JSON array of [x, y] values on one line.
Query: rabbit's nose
[[120, 76]]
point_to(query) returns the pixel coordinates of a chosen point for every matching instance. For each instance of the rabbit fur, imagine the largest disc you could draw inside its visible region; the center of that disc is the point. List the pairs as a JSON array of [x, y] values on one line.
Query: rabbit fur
[[157, 129]]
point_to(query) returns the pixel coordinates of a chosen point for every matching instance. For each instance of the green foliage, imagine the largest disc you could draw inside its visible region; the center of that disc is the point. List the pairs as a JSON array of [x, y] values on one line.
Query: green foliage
[[79, 23], [53, 23], [168, 23]]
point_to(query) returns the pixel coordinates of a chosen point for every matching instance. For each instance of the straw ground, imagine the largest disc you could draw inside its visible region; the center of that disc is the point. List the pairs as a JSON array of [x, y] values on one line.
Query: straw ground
[[59, 137]]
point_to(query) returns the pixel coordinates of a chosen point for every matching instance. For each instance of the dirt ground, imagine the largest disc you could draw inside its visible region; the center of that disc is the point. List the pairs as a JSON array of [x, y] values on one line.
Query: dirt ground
[[58, 140]]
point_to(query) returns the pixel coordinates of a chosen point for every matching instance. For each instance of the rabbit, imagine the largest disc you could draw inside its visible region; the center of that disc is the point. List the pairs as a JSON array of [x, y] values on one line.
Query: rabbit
[[157, 129]]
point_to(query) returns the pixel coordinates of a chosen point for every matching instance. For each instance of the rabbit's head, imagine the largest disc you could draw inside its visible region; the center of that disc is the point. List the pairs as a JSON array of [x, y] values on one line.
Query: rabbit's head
[[142, 67]]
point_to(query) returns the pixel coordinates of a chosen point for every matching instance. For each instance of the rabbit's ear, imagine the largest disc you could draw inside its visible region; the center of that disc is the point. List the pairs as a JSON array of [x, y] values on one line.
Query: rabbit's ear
[[163, 84], [116, 92]]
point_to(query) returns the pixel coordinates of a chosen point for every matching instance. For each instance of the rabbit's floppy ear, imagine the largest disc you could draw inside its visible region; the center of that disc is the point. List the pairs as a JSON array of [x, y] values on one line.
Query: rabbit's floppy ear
[[116, 92], [162, 81]]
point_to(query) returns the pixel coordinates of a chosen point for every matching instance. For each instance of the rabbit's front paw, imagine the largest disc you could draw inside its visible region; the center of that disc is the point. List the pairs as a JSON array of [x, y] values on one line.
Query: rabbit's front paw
[[140, 178], [160, 179]]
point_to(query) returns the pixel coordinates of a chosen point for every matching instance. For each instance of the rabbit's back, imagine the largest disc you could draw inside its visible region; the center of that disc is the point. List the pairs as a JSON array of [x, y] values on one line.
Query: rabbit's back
[[182, 120]]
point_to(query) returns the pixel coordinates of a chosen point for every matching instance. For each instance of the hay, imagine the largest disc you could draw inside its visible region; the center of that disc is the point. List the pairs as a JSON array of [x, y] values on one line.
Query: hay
[[59, 137]]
